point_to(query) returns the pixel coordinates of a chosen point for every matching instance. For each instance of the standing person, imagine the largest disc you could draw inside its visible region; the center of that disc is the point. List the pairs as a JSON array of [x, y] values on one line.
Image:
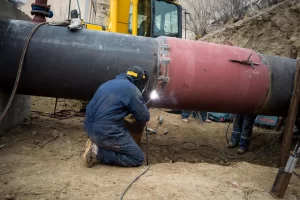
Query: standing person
[[109, 141], [186, 113], [242, 132]]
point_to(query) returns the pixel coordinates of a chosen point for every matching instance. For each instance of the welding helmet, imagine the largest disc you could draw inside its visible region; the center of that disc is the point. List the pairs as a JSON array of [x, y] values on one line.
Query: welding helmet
[[139, 77]]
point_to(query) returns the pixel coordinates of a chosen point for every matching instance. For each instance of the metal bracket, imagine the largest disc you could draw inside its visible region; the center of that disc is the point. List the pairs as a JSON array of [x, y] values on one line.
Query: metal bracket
[[245, 62], [164, 62]]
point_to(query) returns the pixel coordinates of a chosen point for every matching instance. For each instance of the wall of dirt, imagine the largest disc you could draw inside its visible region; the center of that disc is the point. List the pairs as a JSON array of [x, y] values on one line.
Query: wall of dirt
[[274, 31]]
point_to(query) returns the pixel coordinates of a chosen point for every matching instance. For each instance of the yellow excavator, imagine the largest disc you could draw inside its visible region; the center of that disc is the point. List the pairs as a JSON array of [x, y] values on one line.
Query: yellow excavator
[[149, 18]]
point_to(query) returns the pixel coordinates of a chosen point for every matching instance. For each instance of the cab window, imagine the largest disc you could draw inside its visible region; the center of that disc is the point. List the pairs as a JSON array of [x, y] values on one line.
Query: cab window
[[144, 18], [166, 19]]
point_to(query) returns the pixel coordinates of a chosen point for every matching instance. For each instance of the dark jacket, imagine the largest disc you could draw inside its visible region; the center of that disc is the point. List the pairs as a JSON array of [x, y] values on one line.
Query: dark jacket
[[114, 100]]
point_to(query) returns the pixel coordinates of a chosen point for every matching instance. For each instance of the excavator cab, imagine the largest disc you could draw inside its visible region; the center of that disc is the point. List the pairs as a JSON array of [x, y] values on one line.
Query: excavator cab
[[157, 18]]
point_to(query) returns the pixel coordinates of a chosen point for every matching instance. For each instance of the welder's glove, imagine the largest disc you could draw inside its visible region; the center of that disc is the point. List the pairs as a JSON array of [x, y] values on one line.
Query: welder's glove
[[130, 119]]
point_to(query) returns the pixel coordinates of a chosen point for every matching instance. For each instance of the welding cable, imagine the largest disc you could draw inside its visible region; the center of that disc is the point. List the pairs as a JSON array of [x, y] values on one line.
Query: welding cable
[[198, 147], [147, 143], [134, 180], [62, 114], [217, 150], [12, 95], [226, 135], [273, 139], [146, 86]]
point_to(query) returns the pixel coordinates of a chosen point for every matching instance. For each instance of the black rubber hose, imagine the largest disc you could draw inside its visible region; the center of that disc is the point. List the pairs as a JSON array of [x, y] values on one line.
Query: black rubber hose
[[231, 121]]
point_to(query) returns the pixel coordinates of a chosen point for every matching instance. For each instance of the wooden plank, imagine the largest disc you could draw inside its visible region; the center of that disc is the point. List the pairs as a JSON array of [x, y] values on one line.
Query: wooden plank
[[292, 114]]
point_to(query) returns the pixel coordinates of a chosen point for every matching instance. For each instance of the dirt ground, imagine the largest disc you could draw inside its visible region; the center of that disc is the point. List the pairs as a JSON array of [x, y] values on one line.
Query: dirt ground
[[274, 31], [41, 160]]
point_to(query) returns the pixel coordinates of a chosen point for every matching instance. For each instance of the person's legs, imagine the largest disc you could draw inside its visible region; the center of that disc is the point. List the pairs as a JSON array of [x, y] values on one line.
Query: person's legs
[[246, 133], [128, 153], [185, 115], [204, 117], [117, 149], [237, 130]]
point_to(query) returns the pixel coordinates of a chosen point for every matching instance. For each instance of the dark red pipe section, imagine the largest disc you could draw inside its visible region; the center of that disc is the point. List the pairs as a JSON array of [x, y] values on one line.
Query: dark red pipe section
[[201, 75]]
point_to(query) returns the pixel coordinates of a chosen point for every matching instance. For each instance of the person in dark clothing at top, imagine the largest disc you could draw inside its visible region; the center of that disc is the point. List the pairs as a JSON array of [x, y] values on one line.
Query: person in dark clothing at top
[[109, 141]]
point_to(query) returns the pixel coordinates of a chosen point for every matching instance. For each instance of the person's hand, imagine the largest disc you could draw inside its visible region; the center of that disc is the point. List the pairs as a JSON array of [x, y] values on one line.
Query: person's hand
[[130, 119]]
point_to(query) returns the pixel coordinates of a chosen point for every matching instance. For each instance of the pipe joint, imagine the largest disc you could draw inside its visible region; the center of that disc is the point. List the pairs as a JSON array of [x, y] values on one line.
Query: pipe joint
[[163, 65]]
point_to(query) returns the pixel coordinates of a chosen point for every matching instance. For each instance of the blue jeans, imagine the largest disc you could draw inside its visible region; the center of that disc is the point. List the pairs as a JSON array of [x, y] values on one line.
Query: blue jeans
[[115, 145], [186, 113], [242, 130]]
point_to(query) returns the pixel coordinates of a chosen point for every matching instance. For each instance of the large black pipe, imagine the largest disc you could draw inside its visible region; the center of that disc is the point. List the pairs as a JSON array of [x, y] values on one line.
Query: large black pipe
[[189, 75], [61, 63]]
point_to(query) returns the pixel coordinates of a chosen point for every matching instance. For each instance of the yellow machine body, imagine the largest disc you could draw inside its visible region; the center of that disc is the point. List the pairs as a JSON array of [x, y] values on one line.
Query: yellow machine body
[[143, 17]]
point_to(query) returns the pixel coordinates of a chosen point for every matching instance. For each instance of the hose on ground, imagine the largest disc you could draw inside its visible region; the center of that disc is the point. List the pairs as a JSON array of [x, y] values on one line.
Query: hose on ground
[[147, 144], [134, 180], [226, 135], [62, 114]]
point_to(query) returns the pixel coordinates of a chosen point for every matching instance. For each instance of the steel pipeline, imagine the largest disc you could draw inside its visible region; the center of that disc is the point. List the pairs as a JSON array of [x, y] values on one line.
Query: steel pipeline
[[188, 74]]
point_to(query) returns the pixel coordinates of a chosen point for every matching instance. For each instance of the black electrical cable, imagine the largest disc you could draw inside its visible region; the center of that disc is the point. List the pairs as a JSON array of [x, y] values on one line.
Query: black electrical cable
[[197, 147], [135, 179], [147, 143], [226, 135], [56, 99], [11, 98], [223, 154], [256, 155], [62, 114]]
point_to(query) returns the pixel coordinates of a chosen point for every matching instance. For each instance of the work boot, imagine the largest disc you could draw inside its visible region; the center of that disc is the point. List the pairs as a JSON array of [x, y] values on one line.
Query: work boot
[[241, 150], [89, 156], [231, 144], [185, 120], [207, 121]]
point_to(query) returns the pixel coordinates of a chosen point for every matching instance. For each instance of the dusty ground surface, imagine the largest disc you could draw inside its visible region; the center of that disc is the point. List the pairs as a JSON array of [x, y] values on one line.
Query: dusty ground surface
[[41, 160]]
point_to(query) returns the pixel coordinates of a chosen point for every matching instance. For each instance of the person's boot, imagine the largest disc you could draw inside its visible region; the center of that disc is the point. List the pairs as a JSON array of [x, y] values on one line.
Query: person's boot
[[185, 120], [207, 121], [90, 153], [231, 144], [241, 150]]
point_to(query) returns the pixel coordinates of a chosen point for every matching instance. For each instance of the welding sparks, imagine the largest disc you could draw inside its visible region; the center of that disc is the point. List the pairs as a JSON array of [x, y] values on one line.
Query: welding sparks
[[154, 95]]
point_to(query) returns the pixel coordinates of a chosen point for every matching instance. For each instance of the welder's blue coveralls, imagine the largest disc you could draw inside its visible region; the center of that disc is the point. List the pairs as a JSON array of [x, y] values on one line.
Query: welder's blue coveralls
[[104, 121]]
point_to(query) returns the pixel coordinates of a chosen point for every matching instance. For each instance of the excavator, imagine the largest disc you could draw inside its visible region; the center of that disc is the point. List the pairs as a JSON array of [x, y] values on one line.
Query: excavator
[[148, 18]]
